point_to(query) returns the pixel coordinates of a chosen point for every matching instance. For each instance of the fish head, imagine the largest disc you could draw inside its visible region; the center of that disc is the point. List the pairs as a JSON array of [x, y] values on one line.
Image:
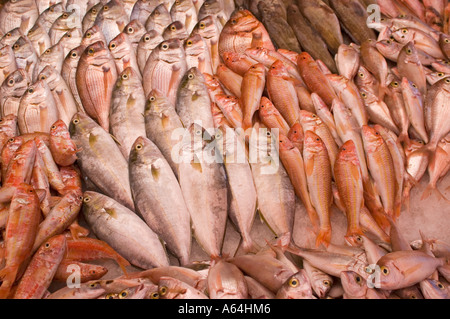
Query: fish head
[[278, 69], [11, 36], [444, 85], [241, 21], [92, 35], [353, 284], [411, 88], [112, 10], [23, 47], [170, 288], [157, 102], [171, 50], [296, 133], [13, 144], [266, 107], [364, 77], [409, 53], [136, 292], [388, 47], [304, 59], [284, 143], [120, 45], [313, 142], [192, 80], [309, 120], [372, 138], [59, 129], [390, 276], [348, 152], [53, 248], [38, 92], [36, 32], [50, 75], [176, 29], [96, 54], [298, 286], [74, 55], [403, 35], [395, 86], [133, 28], [434, 289]]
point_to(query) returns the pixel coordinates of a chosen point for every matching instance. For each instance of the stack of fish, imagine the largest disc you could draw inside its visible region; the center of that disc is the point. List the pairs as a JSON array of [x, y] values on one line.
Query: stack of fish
[[146, 116]]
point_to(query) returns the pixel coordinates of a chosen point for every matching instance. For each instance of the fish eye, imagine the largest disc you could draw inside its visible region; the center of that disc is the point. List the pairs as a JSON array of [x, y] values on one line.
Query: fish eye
[[76, 121], [440, 74], [152, 98], [198, 132], [11, 82], [16, 46], [394, 84], [404, 31], [202, 25], [385, 270], [30, 90], [94, 11], [440, 286], [317, 139], [47, 245], [68, 35], [363, 95], [93, 284], [189, 43], [105, 8], [173, 28], [327, 283], [413, 297], [74, 54], [447, 41], [369, 270], [109, 296], [233, 21], [81, 198], [447, 80], [154, 295], [130, 30], [91, 51], [361, 75], [87, 199], [42, 77], [11, 140], [190, 76], [269, 134], [65, 15], [414, 85], [139, 147], [88, 34], [293, 282], [123, 294], [124, 76], [162, 290], [314, 115], [147, 38], [53, 127], [409, 51], [112, 46], [165, 46], [218, 136], [358, 279]]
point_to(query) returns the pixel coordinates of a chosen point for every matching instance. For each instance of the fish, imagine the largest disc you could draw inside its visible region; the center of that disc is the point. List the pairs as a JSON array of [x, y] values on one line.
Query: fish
[[92, 35], [146, 45], [39, 38], [22, 14], [142, 9], [96, 145], [135, 241], [294, 164], [348, 177], [444, 41], [65, 22], [271, 117], [20, 166], [88, 290], [53, 56], [437, 168], [434, 289], [70, 40], [231, 109], [21, 229], [409, 66], [297, 286], [230, 80], [126, 118], [198, 54], [37, 109], [11, 91], [355, 287], [207, 205], [226, 281], [175, 30], [88, 272], [49, 15], [237, 33], [347, 61], [214, 8], [296, 135], [135, 30], [324, 113], [172, 288], [253, 84], [353, 16], [281, 91], [243, 202], [165, 68], [95, 78], [257, 290], [65, 102], [321, 282], [323, 19], [112, 19], [41, 269], [401, 269], [159, 19], [319, 176], [308, 38], [422, 41], [89, 18], [185, 12], [68, 73], [397, 108], [62, 147], [238, 63], [381, 167], [39, 178], [156, 194], [26, 57], [413, 99], [314, 79]]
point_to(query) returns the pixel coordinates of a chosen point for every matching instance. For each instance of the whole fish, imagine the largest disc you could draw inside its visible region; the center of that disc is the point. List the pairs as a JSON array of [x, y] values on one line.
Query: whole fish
[[165, 68], [26, 57], [133, 239], [413, 99], [100, 159], [11, 91], [155, 191], [282, 92], [127, 106], [65, 102], [40, 38], [226, 281], [396, 104], [243, 200], [41, 270], [37, 109], [175, 30], [112, 19], [353, 17], [381, 166], [204, 188], [149, 41], [323, 19], [409, 66], [161, 124], [21, 229], [193, 103], [294, 165], [314, 78], [185, 12], [62, 147], [95, 77], [401, 269], [23, 14], [237, 34], [308, 38], [88, 272], [348, 177], [172, 288], [68, 73], [253, 83], [159, 19], [319, 176]]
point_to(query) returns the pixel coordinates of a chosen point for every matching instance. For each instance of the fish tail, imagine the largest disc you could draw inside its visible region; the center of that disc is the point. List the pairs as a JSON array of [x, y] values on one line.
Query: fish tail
[[250, 247], [123, 263], [404, 137], [8, 277], [430, 189], [314, 219], [324, 237]]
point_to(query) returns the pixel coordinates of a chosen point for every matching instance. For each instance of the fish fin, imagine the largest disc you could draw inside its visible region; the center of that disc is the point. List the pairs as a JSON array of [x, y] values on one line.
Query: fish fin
[[115, 139], [78, 231], [309, 167], [324, 237], [8, 277], [429, 190]]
